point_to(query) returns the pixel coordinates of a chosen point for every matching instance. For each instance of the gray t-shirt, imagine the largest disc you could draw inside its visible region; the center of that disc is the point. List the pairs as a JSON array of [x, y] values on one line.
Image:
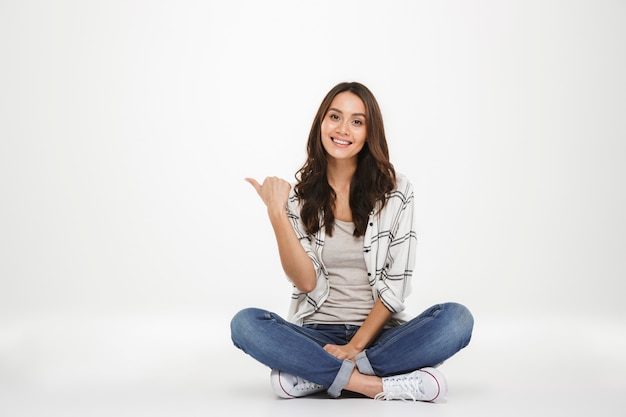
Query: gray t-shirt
[[350, 298]]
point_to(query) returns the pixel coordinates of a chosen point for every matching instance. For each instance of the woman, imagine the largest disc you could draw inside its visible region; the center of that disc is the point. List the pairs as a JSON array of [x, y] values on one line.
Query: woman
[[346, 242]]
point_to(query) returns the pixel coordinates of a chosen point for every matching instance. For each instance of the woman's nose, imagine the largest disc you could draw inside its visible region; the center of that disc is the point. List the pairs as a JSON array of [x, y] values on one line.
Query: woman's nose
[[344, 127]]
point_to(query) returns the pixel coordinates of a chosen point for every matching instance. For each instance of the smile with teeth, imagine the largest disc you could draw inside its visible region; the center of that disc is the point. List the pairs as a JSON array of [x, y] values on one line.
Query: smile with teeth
[[340, 142]]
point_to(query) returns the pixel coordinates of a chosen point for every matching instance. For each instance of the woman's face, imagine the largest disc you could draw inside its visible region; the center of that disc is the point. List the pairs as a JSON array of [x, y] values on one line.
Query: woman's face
[[344, 128]]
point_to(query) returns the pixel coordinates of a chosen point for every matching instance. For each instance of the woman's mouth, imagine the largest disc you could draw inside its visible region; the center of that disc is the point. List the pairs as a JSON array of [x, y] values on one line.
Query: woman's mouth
[[340, 141]]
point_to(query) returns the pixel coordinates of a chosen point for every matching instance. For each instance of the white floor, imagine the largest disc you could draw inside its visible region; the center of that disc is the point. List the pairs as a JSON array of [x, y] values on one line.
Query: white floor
[[160, 365]]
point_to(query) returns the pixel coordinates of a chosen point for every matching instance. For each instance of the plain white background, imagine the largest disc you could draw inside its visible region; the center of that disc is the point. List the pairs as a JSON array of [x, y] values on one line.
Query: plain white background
[[128, 236]]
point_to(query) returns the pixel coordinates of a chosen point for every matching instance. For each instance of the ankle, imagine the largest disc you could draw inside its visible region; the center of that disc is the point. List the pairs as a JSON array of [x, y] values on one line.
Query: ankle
[[368, 385]]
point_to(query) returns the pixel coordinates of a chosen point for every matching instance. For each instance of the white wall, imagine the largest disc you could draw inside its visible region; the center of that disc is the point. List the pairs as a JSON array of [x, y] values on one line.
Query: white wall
[[127, 127]]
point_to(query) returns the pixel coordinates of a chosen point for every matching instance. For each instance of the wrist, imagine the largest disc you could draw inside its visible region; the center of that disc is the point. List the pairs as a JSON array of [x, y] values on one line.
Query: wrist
[[276, 212], [356, 346]]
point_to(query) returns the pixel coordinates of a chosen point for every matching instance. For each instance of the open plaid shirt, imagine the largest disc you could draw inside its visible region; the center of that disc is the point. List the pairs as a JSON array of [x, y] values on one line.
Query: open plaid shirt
[[388, 247]]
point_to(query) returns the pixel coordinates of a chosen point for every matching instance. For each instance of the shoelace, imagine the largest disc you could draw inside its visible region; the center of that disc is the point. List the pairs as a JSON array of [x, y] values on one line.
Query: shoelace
[[403, 388], [303, 384]]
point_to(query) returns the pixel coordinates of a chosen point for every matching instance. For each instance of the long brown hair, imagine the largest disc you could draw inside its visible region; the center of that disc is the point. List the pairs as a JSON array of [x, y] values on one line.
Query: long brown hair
[[374, 177]]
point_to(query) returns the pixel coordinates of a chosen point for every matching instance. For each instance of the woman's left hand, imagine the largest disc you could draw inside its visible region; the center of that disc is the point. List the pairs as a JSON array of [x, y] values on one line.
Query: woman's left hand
[[342, 352]]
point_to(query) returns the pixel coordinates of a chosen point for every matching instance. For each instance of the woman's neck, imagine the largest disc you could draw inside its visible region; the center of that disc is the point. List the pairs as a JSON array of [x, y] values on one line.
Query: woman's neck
[[340, 178], [339, 174]]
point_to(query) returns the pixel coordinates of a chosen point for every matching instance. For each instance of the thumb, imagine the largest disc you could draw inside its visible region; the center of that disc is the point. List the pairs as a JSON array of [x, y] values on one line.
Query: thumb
[[254, 183]]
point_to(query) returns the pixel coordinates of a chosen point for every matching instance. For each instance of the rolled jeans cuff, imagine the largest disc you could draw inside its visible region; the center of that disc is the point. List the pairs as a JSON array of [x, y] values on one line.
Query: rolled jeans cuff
[[341, 380], [363, 364]]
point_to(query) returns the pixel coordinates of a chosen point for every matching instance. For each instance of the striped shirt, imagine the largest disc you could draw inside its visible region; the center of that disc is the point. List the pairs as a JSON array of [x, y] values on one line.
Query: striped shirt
[[388, 247]]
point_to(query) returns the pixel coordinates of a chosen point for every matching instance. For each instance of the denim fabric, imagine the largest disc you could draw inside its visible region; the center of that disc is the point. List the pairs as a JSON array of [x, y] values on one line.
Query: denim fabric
[[427, 340]]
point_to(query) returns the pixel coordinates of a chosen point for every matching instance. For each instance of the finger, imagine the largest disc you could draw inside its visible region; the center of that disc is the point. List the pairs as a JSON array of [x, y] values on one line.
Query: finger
[[254, 183], [330, 349]]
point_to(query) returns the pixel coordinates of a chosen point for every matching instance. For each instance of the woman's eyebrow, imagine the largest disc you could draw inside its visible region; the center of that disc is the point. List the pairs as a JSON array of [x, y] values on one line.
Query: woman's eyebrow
[[339, 111]]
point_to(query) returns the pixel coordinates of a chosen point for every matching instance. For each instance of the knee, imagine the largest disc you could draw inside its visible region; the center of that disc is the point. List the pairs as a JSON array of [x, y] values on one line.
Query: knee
[[242, 324], [462, 321]]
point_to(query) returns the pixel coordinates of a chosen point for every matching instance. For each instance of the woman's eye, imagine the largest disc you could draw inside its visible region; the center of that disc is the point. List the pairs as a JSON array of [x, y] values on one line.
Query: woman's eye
[[358, 122], [334, 117]]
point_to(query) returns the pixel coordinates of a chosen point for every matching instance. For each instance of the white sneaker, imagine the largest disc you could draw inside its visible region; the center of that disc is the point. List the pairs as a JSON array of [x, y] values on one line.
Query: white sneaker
[[289, 386], [426, 384]]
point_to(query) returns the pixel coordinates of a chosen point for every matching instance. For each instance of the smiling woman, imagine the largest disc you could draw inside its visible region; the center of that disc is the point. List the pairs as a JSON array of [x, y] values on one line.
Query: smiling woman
[[125, 130], [346, 241]]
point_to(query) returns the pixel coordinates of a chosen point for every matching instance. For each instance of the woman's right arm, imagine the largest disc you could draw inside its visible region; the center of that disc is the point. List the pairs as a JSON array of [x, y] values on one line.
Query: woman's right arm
[[295, 262]]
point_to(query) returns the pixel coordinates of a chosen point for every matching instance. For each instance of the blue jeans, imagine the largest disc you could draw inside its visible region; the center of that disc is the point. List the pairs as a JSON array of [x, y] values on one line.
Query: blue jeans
[[426, 340]]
